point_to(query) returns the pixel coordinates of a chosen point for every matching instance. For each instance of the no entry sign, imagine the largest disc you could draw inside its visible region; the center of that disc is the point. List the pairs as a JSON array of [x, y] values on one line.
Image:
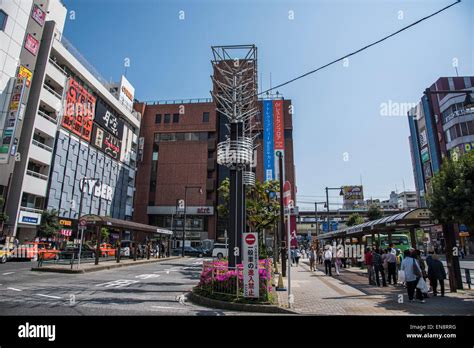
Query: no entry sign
[[250, 263]]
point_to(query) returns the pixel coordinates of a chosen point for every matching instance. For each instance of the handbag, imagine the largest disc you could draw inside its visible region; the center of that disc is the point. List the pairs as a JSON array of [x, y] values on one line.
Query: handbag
[[416, 270], [401, 276], [422, 286]]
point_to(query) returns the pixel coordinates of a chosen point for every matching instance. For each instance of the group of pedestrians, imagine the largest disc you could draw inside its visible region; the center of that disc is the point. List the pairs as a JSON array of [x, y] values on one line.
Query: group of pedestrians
[[409, 270], [332, 259]]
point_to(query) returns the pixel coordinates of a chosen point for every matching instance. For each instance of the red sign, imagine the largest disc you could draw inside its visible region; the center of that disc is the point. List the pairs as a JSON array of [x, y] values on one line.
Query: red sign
[[38, 15], [31, 44], [286, 193], [82, 222], [278, 127], [79, 110], [250, 239]]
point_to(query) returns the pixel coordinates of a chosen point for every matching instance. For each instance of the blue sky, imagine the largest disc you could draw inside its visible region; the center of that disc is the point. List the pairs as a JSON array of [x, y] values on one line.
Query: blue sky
[[336, 111]]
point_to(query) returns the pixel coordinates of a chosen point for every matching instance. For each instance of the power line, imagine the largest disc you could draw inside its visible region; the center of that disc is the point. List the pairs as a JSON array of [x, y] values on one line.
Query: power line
[[361, 49]]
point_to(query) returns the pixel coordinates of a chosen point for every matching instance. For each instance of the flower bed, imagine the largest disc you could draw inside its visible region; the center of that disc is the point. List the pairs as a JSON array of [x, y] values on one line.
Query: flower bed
[[220, 282]]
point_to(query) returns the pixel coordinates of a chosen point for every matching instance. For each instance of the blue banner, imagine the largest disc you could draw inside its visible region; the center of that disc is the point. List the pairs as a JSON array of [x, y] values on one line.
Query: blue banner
[[268, 143]]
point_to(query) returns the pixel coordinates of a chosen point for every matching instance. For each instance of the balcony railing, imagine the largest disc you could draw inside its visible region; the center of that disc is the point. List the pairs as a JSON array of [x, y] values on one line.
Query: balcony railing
[[31, 210], [49, 89], [37, 175], [43, 146], [46, 116], [58, 67]]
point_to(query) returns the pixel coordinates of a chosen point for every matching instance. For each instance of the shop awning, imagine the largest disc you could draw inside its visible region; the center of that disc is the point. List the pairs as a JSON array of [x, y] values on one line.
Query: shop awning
[[123, 224]]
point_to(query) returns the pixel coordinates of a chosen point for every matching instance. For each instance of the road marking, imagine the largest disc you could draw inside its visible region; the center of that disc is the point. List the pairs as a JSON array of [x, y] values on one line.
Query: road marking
[[163, 307], [118, 283], [147, 276], [49, 296], [7, 273], [14, 289]]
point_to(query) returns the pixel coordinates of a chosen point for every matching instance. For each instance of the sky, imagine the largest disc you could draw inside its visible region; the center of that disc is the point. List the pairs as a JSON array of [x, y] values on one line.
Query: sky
[[340, 132]]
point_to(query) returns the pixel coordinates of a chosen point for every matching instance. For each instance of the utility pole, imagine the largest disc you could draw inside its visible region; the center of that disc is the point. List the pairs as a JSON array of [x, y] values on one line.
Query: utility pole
[[284, 242]]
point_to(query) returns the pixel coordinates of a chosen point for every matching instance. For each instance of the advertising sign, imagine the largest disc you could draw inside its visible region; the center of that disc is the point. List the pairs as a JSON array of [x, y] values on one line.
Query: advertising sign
[[106, 142], [126, 93], [427, 170], [250, 264], [109, 121], [278, 134], [79, 110], [31, 44], [38, 15], [9, 129], [268, 141], [423, 138], [25, 73], [425, 156], [294, 240], [352, 193], [29, 218]]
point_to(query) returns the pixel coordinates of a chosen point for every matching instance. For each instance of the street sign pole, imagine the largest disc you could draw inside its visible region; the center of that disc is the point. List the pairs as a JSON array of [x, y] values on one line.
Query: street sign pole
[[289, 258], [82, 227]]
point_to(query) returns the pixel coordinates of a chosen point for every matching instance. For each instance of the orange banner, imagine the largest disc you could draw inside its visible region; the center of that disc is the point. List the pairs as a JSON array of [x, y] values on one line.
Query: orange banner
[[279, 131]]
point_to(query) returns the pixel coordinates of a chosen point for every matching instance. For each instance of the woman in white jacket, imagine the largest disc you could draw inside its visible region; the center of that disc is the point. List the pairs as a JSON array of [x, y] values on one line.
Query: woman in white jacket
[[412, 275], [338, 260]]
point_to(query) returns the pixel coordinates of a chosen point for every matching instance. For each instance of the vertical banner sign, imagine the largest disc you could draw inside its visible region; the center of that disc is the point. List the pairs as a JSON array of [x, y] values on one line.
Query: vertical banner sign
[[294, 240], [279, 134], [11, 121], [268, 148], [250, 263]]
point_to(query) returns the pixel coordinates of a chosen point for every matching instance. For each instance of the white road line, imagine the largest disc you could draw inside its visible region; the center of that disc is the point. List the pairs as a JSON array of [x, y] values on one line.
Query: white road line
[[14, 289], [49, 296], [7, 273], [163, 307]]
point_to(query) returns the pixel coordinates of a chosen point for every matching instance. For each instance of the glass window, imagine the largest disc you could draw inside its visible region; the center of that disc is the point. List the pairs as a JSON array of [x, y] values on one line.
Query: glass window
[[180, 136], [464, 129], [205, 117], [3, 20], [448, 136], [202, 135], [470, 126], [175, 118], [158, 118], [167, 118]]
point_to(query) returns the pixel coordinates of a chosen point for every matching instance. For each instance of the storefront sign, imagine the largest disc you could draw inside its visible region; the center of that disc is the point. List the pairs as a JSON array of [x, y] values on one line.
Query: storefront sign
[[79, 110], [106, 142], [423, 138], [31, 44], [25, 73], [65, 232], [99, 190], [425, 156], [106, 118], [126, 93], [29, 218], [38, 15], [268, 141], [250, 264]]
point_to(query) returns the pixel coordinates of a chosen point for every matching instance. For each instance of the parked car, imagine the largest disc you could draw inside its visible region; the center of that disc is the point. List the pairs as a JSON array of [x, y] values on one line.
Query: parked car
[[5, 253], [204, 251], [189, 251], [220, 250], [107, 250]]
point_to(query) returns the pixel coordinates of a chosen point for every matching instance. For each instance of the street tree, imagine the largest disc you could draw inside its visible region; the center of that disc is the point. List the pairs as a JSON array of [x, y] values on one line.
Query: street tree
[[354, 219], [3, 217], [374, 212], [49, 226]]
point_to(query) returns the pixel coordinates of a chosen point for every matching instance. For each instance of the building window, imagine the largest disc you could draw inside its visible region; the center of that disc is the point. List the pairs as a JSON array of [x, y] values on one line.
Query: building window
[[3, 20], [288, 134], [175, 118], [158, 118], [167, 118], [205, 117]]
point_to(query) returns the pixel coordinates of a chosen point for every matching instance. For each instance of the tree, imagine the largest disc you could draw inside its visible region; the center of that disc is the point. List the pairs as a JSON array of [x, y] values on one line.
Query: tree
[[49, 226], [374, 212], [354, 219], [104, 234], [224, 196], [3, 216]]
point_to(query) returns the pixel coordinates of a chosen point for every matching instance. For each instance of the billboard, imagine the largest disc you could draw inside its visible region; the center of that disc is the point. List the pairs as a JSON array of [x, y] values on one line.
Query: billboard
[[38, 15], [278, 134], [268, 141], [107, 120], [126, 93], [79, 110], [31, 44], [353, 193], [106, 142], [425, 156], [25, 73]]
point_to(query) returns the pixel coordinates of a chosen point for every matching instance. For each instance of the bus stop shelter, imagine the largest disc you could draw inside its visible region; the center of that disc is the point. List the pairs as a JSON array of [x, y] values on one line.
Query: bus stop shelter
[[408, 220], [139, 232]]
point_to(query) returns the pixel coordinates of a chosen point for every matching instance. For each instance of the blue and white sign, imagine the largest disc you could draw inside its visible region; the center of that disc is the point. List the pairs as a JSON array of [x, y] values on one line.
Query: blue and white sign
[[268, 142], [29, 218], [334, 226]]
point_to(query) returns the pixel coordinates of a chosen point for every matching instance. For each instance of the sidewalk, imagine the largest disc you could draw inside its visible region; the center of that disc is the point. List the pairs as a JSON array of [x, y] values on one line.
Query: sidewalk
[[350, 294], [91, 267]]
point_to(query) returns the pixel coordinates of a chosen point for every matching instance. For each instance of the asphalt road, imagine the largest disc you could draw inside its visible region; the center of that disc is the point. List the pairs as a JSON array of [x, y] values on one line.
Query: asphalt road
[[152, 289]]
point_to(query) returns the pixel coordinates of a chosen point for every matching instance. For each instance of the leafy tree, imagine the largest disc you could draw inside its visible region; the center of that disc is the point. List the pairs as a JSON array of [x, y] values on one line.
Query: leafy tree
[[224, 195], [104, 234], [374, 213], [3, 216], [354, 219], [451, 196], [49, 226]]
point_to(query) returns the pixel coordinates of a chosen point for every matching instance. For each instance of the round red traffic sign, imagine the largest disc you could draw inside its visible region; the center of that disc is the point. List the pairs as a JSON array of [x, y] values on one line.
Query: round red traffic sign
[[250, 239], [82, 222]]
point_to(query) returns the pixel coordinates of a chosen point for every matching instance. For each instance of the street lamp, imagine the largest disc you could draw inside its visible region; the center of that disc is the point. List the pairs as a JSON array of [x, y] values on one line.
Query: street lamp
[[185, 207], [341, 193]]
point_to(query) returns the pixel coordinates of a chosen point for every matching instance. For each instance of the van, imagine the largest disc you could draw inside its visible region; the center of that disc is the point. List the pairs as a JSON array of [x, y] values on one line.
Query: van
[[220, 250]]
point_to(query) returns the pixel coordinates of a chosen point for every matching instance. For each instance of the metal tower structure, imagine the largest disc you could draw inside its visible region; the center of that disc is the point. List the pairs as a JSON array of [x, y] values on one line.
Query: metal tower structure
[[235, 94]]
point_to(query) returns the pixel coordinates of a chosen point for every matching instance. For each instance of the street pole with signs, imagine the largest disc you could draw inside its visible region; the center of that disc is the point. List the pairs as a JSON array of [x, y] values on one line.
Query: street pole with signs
[[287, 202], [82, 227]]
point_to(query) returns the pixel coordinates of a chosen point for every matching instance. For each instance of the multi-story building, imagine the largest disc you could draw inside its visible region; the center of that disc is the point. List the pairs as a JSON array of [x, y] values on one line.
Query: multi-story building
[[440, 128], [178, 148], [75, 127]]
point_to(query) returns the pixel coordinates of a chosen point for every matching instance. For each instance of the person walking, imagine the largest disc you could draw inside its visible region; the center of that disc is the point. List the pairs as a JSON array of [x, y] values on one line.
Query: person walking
[[436, 273], [368, 258], [378, 267], [312, 259], [412, 275], [422, 263], [320, 256], [338, 260], [391, 259], [328, 260], [297, 257]]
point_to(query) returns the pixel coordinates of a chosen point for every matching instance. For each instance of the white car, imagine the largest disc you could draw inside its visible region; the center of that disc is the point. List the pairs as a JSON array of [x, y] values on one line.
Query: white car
[[220, 250]]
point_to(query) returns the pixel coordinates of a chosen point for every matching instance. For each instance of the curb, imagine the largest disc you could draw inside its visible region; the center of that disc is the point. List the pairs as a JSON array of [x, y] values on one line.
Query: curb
[[241, 307], [98, 268]]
